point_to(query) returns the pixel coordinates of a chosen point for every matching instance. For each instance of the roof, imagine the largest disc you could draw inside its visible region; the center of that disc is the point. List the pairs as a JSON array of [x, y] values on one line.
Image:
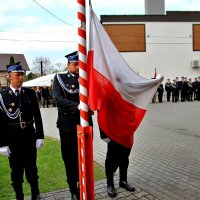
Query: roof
[[5, 59], [41, 81], [171, 16], [46, 80]]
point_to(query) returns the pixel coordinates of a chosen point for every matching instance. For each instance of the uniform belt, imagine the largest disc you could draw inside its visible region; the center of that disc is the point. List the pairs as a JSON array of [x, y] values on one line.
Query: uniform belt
[[21, 124]]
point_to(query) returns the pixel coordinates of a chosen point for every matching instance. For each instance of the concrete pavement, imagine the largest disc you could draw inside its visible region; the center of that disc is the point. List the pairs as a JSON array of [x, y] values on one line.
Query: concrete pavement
[[165, 159]]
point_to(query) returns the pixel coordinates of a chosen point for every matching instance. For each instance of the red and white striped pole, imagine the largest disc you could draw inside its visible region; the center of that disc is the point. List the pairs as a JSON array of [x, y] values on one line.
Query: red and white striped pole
[[85, 145]]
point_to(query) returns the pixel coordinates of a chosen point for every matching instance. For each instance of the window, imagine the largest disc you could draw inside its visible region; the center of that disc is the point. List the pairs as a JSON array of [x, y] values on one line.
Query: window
[[127, 37], [196, 37]]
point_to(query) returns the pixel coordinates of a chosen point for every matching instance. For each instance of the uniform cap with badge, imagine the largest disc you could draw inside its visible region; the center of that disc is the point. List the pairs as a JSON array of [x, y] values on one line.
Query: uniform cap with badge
[[14, 66], [72, 57]]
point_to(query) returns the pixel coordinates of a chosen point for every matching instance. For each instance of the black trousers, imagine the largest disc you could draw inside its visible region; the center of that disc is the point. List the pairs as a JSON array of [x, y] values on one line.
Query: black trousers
[[160, 96], [23, 159], [117, 156], [45, 102], [183, 96], [168, 96], [174, 96], [69, 150]]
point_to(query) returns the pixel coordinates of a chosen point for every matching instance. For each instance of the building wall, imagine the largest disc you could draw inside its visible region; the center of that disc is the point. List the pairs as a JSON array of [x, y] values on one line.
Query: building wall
[[169, 48], [154, 7]]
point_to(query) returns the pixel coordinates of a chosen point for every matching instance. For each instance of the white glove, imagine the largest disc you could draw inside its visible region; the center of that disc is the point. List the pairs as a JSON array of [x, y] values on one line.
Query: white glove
[[107, 140], [5, 151], [39, 143]]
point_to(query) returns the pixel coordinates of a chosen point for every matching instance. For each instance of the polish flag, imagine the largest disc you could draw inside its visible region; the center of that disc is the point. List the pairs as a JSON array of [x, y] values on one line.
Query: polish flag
[[119, 94]]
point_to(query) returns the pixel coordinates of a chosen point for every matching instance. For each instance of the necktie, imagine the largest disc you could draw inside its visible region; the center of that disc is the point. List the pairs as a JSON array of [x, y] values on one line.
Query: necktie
[[17, 95]]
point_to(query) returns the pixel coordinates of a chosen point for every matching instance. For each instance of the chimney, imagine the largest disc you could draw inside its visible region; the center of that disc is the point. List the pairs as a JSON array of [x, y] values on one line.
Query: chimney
[[154, 7]]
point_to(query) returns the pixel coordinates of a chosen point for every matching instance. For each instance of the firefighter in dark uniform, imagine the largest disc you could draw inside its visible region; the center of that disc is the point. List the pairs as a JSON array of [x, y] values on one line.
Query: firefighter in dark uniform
[[190, 90], [160, 91], [194, 84], [198, 89], [183, 89], [168, 89], [117, 156], [66, 95], [19, 139], [178, 87], [175, 91]]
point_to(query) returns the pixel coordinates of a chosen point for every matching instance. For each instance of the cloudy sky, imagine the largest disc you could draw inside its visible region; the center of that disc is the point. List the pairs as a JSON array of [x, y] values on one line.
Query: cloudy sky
[[29, 28]]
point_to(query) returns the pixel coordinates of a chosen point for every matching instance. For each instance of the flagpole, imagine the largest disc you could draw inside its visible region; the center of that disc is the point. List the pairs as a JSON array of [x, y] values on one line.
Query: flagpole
[[84, 131]]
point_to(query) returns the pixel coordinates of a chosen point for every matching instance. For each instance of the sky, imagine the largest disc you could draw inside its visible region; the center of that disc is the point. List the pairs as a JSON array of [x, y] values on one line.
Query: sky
[[29, 28]]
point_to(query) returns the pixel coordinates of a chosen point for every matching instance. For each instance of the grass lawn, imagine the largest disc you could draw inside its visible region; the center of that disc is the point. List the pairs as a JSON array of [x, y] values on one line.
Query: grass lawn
[[51, 171]]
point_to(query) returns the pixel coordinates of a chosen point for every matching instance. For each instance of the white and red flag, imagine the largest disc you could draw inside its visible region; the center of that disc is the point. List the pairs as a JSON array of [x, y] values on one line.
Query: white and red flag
[[119, 95]]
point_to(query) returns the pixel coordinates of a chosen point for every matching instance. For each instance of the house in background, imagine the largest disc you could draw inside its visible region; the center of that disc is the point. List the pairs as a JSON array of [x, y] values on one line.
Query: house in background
[[4, 61], [168, 42]]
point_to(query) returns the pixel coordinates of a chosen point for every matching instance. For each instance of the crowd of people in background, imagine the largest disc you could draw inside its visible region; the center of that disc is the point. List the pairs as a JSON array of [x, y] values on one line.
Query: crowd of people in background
[[176, 90], [44, 96]]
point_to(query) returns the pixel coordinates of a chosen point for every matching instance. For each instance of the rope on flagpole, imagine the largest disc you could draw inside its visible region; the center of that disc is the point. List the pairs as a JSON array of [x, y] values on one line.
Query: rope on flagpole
[[84, 131], [82, 63], [83, 96]]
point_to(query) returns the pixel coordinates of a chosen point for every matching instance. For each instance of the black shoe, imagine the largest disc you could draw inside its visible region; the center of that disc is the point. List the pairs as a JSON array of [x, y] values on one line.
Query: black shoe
[[36, 197], [111, 191], [125, 185], [74, 196]]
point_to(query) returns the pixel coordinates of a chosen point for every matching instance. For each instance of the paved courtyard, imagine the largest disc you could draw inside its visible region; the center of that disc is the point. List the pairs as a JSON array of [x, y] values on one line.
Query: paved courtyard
[[165, 159]]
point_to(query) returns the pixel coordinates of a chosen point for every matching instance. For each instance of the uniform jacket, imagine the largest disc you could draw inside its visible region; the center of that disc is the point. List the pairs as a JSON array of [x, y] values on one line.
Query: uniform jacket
[[67, 101], [183, 86], [29, 109], [160, 89], [175, 88], [168, 86]]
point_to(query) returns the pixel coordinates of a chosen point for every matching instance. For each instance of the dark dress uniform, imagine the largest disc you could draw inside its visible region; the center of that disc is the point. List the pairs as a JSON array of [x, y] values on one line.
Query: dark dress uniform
[[183, 88], [194, 84], [190, 91], [19, 114], [45, 96], [168, 89], [66, 95], [175, 91], [160, 91], [117, 156], [198, 89]]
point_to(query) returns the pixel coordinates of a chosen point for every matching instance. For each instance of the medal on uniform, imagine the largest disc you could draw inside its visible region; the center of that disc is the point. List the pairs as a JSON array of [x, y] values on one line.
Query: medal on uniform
[[73, 86], [12, 104], [10, 109]]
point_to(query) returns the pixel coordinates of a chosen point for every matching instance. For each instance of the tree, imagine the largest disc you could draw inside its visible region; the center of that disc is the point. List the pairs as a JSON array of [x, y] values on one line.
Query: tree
[[60, 67], [12, 61], [42, 65], [30, 76]]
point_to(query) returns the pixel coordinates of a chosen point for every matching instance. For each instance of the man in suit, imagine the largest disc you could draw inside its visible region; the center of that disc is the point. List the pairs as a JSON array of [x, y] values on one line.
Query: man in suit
[[117, 156], [20, 139], [66, 95], [45, 96]]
